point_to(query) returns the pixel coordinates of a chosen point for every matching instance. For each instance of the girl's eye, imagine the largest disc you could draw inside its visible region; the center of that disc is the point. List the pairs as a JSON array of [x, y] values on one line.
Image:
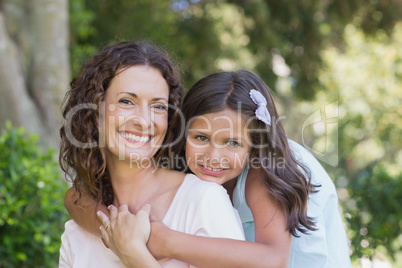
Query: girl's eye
[[233, 144], [202, 138], [125, 101]]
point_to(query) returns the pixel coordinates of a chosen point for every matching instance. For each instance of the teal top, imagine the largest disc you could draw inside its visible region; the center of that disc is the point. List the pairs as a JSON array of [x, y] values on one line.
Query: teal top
[[325, 247], [239, 202]]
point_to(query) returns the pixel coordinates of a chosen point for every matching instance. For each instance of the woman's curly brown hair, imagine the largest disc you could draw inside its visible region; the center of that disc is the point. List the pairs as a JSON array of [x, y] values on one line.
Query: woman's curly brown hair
[[80, 157]]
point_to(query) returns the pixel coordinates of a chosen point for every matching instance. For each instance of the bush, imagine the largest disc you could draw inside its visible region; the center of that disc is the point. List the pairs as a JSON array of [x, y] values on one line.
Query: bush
[[32, 214], [376, 220]]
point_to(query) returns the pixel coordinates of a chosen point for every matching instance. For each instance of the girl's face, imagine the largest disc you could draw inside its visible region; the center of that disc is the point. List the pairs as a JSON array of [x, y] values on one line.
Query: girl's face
[[217, 146], [136, 105]]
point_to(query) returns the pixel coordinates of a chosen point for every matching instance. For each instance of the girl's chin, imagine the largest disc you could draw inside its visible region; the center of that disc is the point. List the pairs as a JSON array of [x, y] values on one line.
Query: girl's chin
[[204, 177]]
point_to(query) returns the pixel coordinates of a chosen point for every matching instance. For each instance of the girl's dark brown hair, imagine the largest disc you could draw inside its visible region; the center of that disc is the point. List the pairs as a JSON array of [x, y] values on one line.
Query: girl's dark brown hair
[[80, 156], [288, 184]]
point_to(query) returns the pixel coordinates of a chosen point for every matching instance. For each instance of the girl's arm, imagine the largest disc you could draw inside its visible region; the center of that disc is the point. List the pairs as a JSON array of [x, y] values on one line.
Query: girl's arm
[[213, 252], [84, 213], [177, 245], [272, 247], [269, 219]]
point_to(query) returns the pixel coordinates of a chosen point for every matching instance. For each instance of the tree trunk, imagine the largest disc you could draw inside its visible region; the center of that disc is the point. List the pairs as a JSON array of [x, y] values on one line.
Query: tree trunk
[[34, 65]]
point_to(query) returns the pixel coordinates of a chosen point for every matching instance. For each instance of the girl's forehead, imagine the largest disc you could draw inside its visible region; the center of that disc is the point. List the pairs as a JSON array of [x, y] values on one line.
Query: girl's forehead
[[223, 122]]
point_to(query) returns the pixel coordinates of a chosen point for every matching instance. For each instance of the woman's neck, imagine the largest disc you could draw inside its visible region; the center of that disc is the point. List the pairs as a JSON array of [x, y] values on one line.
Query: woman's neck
[[132, 185]]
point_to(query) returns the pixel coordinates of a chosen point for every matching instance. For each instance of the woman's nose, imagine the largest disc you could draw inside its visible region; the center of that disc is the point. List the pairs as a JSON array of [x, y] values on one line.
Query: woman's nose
[[143, 118]]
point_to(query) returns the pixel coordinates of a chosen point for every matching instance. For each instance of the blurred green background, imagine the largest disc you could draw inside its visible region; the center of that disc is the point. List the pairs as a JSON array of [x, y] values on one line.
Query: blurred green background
[[335, 68]]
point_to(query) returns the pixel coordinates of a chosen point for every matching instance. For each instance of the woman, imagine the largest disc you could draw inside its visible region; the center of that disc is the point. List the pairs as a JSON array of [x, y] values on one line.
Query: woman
[[114, 156], [233, 139]]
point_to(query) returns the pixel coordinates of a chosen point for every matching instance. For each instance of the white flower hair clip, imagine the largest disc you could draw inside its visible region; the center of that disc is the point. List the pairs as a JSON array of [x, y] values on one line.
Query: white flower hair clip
[[261, 112]]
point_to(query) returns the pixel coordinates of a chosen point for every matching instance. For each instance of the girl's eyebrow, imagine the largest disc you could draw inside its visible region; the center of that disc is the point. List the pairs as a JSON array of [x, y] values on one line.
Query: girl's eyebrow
[[197, 131], [205, 134], [135, 96], [237, 139]]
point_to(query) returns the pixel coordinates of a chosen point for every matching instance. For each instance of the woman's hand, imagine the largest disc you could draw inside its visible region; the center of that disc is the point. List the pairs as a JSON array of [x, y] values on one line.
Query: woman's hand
[[127, 234]]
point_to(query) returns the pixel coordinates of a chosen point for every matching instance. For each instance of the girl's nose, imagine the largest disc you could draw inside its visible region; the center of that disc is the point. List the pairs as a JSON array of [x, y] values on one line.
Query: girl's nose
[[214, 153]]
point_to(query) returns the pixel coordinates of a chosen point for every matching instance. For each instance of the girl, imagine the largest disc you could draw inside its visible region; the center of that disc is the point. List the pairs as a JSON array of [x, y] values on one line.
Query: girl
[[116, 162], [232, 117], [273, 192]]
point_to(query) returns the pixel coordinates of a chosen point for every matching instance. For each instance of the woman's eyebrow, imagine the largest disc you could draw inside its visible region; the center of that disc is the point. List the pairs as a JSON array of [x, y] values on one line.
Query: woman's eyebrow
[[129, 93], [135, 96]]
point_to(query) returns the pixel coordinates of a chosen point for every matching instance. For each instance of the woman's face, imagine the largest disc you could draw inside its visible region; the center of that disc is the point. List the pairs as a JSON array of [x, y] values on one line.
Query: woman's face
[[217, 146], [136, 121]]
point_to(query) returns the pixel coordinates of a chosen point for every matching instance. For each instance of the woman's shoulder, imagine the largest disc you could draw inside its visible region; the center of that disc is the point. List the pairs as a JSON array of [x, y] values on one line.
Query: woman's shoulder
[[196, 185], [195, 194], [71, 227], [189, 185], [171, 174], [172, 177], [75, 234], [195, 191], [188, 180]]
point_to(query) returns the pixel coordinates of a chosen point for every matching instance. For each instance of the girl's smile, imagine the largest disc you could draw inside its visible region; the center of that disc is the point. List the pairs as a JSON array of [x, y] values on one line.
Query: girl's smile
[[212, 171]]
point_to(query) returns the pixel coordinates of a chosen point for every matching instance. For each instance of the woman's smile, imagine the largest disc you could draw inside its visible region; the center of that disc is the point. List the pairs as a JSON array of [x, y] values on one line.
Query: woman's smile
[[136, 137]]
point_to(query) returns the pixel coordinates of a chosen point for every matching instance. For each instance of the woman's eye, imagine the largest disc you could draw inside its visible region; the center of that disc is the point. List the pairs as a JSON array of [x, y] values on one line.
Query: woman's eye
[[233, 144], [125, 101], [201, 138], [160, 107]]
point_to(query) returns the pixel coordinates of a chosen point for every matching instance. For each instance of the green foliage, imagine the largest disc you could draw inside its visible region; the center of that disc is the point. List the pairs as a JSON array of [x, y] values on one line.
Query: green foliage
[[298, 30], [365, 77], [208, 36], [31, 202], [376, 220], [81, 30]]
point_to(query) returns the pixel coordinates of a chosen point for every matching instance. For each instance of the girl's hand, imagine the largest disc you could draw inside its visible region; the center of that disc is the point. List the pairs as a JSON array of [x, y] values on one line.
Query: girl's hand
[[126, 233]]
